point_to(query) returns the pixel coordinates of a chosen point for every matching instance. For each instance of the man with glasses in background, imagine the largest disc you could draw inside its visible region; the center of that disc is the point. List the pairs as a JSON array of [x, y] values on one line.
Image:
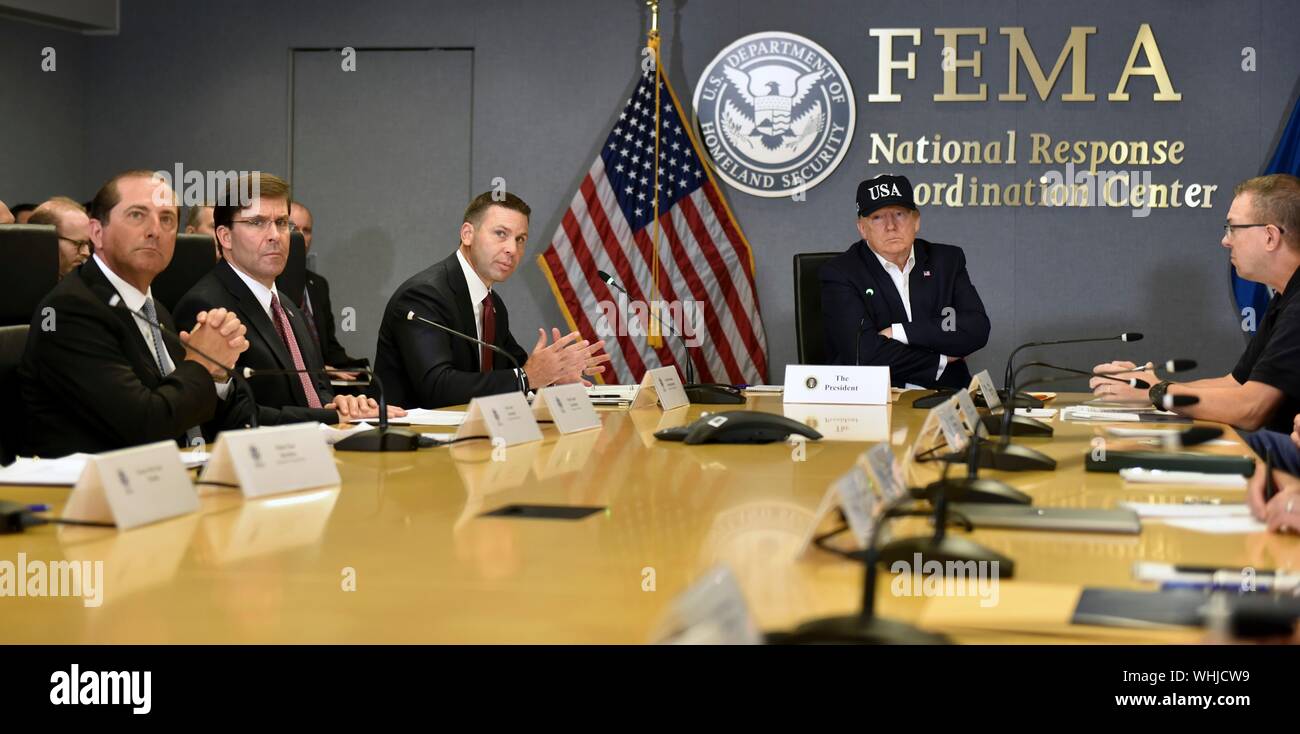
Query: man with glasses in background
[[1262, 234], [72, 226], [316, 304]]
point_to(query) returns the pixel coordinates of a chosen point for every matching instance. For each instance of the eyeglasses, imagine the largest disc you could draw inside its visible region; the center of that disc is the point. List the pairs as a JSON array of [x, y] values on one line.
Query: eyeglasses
[[80, 244], [1228, 228], [259, 223]]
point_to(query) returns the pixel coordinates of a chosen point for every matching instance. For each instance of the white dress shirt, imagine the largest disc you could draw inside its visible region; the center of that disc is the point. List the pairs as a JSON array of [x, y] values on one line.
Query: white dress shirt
[[133, 299], [477, 292], [260, 292], [902, 283]]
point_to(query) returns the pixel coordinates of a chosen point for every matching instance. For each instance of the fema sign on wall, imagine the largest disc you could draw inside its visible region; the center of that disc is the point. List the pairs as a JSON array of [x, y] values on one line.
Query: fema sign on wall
[[775, 112]]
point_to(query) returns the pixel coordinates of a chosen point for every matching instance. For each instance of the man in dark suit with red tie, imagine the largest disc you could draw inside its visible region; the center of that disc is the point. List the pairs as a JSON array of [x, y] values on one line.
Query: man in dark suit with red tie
[[895, 300], [254, 241], [422, 366]]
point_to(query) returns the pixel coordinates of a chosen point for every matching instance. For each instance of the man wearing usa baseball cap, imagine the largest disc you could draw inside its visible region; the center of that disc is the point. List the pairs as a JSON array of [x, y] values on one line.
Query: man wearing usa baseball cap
[[895, 300]]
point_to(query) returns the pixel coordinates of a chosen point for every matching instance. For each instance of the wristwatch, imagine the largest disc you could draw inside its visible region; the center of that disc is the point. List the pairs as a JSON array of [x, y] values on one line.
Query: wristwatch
[[1157, 394]]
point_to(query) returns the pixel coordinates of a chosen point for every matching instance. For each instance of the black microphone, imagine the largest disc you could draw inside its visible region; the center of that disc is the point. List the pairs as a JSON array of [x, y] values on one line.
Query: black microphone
[[1178, 401], [1170, 402], [1130, 381], [866, 627], [116, 302], [857, 342], [1006, 382], [690, 368], [383, 438], [695, 392], [519, 371], [1198, 435]]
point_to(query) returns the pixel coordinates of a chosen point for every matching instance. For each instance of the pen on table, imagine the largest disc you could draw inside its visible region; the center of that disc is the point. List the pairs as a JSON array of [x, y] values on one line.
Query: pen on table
[[1270, 488], [38, 508], [1204, 586]]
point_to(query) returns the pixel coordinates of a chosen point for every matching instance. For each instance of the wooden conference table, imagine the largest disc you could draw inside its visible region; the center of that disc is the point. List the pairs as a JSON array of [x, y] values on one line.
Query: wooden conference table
[[407, 529]]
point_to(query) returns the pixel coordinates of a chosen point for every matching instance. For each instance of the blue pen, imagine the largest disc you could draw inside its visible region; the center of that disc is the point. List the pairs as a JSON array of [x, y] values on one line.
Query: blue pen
[[1207, 586], [38, 508]]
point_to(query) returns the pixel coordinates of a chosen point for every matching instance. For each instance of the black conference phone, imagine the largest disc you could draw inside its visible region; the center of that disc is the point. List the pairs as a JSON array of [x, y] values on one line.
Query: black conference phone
[[737, 426]]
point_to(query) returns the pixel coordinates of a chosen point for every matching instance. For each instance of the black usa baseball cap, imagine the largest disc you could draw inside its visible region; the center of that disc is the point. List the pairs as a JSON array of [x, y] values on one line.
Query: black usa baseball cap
[[884, 190]]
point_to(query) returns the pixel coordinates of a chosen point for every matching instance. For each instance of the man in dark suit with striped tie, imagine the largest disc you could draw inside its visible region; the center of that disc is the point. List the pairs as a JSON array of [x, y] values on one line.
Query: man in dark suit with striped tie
[[97, 375], [422, 366], [254, 241]]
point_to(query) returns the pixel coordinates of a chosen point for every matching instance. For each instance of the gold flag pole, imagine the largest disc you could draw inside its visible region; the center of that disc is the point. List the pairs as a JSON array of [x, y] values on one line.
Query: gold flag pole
[[655, 338]]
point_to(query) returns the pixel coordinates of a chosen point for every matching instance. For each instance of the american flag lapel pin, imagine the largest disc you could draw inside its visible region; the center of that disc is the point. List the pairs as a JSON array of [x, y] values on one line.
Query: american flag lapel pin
[[926, 273]]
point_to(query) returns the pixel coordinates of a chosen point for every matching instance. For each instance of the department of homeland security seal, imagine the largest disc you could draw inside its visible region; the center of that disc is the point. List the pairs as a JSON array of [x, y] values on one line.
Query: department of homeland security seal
[[775, 112]]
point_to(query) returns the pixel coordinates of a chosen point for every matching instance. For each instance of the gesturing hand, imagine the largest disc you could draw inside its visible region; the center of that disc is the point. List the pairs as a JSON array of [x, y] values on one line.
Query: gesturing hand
[[567, 358]]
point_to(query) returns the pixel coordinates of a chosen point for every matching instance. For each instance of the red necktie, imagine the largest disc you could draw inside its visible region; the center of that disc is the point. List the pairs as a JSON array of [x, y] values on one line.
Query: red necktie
[[489, 334], [286, 334]]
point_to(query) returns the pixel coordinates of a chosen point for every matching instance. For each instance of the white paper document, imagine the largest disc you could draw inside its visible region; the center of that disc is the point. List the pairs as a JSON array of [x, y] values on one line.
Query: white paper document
[[64, 471], [1164, 511], [422, 417], [1220, 525], [334, 435], [1138, 475]]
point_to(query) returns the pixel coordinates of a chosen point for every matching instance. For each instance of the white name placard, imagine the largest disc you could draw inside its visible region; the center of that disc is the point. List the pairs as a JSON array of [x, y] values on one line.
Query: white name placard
[[987, 389], [954, 434], [662, 384], [272, 460], [970, 415], [505, 417], [844, 385], [133, 487], [886, 473], [853, 494], [567, 406], [712, 611]]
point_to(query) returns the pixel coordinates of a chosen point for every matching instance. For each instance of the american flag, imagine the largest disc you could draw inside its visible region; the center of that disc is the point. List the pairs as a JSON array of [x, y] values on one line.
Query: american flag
[[702, 256]]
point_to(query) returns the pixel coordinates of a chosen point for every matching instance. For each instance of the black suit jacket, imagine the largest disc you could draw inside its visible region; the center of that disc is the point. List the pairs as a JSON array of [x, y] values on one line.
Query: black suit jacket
[[91, 383], [424, 367], [280, 398], [854, 285], [322, 314]]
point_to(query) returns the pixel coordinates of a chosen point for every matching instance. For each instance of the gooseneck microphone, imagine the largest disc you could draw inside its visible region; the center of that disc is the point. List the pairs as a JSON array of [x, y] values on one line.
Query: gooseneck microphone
[[695, 392], [240, 384], [519, 371], [866, 627], [857, 342], [1130, 381], [383, 438], [1007, 378]]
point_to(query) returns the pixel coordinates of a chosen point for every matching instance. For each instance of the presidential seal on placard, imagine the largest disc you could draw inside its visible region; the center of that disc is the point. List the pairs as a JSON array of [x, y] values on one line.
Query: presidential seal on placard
[[775, 112]]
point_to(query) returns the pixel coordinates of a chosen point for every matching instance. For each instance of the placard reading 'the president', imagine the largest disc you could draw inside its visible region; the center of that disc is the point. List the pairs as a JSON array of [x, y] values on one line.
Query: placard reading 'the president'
[[845, 385]]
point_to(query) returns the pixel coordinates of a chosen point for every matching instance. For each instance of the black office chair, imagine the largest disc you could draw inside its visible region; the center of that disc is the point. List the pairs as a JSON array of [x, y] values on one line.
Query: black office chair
[[13, 429], [809, 332], [195, 256], [29, 254], [292, 283]]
